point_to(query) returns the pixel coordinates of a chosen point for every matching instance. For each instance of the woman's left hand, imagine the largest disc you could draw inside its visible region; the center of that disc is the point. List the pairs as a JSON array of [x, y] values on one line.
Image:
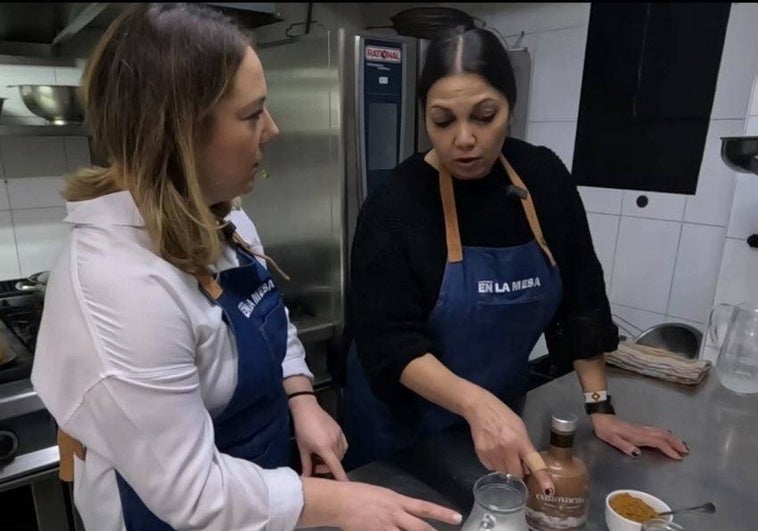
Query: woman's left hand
[[319, 438], [629, 437]]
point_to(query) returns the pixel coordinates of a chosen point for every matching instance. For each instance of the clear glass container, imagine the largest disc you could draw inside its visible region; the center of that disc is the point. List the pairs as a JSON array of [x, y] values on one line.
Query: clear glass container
[[733, 330], [499, 502]]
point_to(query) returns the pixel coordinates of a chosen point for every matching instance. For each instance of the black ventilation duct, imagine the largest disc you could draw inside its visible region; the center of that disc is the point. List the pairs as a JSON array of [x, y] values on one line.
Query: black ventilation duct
[[429, 22]]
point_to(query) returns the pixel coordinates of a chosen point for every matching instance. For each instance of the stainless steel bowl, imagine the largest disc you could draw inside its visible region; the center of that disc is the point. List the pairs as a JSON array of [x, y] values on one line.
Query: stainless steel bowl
[[58, 104], [679, 338]]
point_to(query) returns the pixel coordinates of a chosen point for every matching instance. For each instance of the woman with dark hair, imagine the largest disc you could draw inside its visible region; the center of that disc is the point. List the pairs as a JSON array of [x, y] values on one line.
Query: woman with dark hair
[[460, 262], [165, 353]]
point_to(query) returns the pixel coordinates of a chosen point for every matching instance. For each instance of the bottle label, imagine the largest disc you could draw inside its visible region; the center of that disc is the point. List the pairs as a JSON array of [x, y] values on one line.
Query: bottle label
[[556, 512]]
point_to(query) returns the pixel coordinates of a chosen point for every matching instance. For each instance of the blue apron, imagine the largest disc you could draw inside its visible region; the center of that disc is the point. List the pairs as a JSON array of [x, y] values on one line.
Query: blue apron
[[493, 305], [255, 423]]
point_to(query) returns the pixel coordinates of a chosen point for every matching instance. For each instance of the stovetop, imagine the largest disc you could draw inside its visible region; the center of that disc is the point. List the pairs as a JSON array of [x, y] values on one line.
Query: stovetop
[[20, 315]]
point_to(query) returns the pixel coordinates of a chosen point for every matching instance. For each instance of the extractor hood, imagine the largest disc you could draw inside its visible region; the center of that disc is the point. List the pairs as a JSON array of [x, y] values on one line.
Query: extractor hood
[[38, 29], [740, 153]]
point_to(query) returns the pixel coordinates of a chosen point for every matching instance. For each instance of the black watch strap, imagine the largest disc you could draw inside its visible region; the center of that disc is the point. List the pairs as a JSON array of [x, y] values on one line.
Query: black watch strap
[[600, 407]]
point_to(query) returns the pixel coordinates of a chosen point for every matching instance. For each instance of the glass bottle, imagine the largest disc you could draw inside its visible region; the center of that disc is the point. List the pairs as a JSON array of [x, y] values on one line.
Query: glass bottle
[[566, 509]]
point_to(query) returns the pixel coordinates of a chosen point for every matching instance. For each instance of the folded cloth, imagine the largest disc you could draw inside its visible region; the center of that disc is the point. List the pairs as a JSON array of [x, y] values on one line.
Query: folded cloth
[[658, 363]]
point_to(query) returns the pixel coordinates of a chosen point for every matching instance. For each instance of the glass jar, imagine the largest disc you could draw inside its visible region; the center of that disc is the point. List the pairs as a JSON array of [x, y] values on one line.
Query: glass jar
[[499, 504]]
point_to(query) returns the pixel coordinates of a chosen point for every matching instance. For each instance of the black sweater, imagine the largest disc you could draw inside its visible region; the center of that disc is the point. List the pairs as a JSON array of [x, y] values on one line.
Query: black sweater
[[399, 255]]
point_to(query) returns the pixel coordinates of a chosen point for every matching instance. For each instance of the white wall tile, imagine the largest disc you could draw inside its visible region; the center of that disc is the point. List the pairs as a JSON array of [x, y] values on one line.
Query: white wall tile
[[738, 60], [8, 255], [14, 110], [4, 205], [674, 319], [40, 233], [669, 207], [644, 263], [697, 270], [604, 229], [558, 136], [68, 75], [557, 65], [32, 156], [601, 200], [632, 321], [77, 152], [712, 202], [744, 220], [35, 192], [738, 279], [751, 127], [754, 99]]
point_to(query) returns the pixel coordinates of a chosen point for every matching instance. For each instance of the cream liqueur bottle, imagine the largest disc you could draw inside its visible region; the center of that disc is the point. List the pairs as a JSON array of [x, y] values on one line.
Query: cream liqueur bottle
[[566, 509]]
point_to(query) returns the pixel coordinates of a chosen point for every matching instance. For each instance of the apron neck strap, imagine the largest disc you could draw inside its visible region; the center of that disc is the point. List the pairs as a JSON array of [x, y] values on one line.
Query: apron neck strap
[[208, 283], [452, 232]]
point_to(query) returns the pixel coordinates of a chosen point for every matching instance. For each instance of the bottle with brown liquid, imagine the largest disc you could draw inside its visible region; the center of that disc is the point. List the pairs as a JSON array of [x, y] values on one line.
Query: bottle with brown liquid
[[566, 509]]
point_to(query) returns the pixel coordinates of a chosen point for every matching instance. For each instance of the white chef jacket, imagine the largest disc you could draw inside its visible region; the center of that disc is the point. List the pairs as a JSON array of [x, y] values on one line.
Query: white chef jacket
[[134, 361]]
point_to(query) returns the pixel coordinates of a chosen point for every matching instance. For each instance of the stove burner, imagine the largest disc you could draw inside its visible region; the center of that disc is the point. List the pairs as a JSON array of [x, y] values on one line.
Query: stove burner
[[20, 315], [23, 321]]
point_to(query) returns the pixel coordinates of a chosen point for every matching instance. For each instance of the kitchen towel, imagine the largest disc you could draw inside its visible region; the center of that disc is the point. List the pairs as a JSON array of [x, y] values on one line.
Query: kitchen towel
[[658, 363]]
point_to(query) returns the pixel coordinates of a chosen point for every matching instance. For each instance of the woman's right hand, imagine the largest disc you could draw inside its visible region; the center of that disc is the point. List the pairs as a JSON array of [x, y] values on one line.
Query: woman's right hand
[[363, 507], [500, 437]]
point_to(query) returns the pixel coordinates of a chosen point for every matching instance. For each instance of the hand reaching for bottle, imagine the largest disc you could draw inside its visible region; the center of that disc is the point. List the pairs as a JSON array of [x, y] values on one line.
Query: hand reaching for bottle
[[500, 438]]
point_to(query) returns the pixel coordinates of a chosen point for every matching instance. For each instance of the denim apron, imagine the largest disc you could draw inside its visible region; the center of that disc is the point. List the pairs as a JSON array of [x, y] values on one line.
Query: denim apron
[[254, 425], [493, 305]]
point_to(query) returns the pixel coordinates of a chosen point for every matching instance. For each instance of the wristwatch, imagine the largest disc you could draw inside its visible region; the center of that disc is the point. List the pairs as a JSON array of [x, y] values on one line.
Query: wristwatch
[[598, 402]]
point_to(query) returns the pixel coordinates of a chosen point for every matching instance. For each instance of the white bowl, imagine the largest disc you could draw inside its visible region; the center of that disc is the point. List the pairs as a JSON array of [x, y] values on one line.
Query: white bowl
[[616, 522]]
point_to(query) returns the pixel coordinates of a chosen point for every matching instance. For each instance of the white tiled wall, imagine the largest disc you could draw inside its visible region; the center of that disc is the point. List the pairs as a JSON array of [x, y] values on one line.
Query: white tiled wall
[[668, 207], [604, 229], [738, 63], [744, 220], [31, 176], [696, 272], [661, 261], [31, 206], [558, 136], [738, 277], [9, 267], [602, 200], [644, 265], [39, 235], [715, 186]]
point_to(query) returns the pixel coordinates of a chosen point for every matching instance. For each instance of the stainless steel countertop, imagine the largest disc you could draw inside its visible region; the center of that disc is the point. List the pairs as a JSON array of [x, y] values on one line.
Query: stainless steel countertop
[[720, 427]]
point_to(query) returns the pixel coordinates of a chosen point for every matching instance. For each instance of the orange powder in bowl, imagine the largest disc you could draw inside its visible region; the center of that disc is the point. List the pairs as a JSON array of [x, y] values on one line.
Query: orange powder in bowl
[[632, 508]]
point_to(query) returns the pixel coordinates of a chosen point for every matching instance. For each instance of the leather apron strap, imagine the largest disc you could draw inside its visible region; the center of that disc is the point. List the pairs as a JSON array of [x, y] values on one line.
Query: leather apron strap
[[452, 232]]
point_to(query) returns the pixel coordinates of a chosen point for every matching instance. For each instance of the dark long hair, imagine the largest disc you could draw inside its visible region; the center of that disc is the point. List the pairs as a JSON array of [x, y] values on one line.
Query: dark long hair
[[468, 51]]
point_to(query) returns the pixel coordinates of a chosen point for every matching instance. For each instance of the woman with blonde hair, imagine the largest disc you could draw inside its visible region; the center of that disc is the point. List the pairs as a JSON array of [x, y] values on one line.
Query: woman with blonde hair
[[165, 352]]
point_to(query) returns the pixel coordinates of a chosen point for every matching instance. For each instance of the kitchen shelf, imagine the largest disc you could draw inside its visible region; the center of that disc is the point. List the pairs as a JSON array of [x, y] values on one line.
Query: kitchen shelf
[[312, 329], [43, 130]]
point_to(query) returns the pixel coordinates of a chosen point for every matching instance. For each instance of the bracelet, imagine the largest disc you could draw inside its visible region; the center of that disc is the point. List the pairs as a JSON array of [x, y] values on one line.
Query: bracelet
[[595, 396], [600, 407], [293, 395]]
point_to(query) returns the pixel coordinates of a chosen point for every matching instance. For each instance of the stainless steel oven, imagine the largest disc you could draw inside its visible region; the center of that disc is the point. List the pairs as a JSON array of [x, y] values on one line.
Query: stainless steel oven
[[28, 449]]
